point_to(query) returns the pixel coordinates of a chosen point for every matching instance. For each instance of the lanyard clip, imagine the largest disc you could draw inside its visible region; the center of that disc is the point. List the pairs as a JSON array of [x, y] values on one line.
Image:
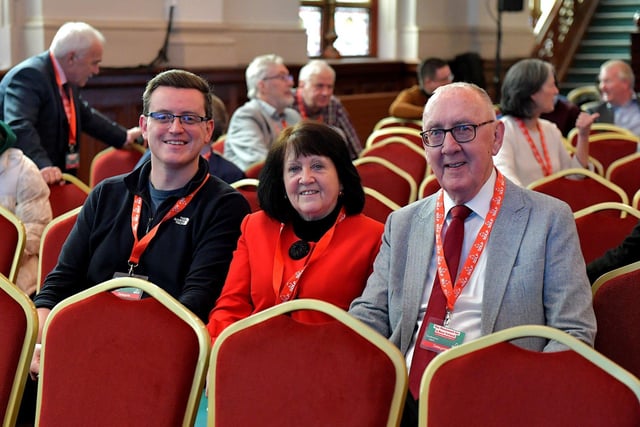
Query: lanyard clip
[[447, 318], [131, 267]]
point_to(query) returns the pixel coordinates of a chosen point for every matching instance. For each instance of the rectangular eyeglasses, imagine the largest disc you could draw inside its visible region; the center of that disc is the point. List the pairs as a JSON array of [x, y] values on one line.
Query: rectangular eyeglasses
[[461, 134]]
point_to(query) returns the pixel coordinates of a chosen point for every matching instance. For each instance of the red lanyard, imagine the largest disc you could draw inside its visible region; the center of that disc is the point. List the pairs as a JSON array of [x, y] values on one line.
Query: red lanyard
[[289, 290], [69, 105], [450, 292], [139, 246], [545, 164], [303, 108]]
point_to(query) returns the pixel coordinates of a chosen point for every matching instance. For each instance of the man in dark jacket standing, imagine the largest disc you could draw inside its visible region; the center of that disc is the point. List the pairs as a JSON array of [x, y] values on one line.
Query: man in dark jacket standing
[[40, 99]]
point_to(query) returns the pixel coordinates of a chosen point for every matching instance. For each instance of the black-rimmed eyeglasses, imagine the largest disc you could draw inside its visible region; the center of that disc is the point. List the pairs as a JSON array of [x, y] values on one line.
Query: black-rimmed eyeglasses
[[283, 77], [185, 119], [461, 133]]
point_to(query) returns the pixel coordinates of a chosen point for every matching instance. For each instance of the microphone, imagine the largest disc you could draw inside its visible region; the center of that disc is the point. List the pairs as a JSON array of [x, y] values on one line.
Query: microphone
[[162, 57]]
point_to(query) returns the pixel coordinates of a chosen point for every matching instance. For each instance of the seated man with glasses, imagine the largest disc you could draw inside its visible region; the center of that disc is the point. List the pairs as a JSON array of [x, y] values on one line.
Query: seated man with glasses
[[255, 125], [432, 73], [218, 165], [478, 256], [169, 221]]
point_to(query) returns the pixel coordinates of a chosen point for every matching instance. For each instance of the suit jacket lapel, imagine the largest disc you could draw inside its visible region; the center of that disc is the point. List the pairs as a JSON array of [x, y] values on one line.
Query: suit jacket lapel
[[418, 255], [606, 113], [502, 250], [63, 124]]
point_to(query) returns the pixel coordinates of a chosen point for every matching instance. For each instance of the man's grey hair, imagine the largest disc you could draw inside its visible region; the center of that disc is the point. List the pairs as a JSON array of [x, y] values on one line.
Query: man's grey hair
[[624, 70], [257, 70], [74, 37], [313, 68], [484, 96]]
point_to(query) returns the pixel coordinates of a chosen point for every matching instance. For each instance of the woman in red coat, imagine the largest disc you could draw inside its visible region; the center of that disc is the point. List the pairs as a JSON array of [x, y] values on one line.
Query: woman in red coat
[[310, 240]]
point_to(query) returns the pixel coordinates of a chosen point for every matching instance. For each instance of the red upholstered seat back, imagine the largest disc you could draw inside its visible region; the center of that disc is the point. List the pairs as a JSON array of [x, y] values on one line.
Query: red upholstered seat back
[[579, 193], [602, 230], [66, 197], [13, 329], [612, 148], [401, 154], [282, 372], [10, 247], [428, 186], [253, 171], [114, 362], [111, 162], [248, 187], [505, 385], [53, 237], [616, 304], [409, 132], [376, 207], [624, 173], [391, 121], [386, 181]]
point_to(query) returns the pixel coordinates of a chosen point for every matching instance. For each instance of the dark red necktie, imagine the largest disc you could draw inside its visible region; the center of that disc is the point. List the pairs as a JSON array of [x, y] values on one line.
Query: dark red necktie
[[436, 308]]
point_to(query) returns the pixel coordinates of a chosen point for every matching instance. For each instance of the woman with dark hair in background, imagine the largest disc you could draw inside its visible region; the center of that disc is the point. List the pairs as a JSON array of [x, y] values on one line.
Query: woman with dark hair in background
[[532, 147]]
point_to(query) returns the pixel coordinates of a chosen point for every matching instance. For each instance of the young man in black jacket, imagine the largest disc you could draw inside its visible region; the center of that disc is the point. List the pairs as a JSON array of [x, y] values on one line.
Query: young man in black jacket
[[169, 221]]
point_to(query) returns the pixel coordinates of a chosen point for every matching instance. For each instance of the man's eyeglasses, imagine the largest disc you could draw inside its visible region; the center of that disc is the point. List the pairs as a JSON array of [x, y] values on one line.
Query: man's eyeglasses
[[461, 133], [283, 77], [185, 119]]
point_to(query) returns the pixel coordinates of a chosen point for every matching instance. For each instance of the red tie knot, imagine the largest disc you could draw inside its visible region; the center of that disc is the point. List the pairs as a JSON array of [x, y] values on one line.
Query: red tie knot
[[460, 212]]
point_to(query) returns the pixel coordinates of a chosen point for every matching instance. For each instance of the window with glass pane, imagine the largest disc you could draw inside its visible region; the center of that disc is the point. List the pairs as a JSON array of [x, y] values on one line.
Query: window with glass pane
[[353, 22], [312, 21]]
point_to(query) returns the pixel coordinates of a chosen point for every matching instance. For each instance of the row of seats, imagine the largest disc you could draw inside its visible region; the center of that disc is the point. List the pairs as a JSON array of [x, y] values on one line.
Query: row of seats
[[107, 163], [613, 152], [603, 226], [608, 142], [139, 376], [339, 372], [606, 148], [14, 239]]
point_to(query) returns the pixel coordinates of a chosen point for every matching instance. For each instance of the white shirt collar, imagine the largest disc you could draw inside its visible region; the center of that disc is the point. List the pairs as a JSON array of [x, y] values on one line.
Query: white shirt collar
[[59, 70], [481, 202]]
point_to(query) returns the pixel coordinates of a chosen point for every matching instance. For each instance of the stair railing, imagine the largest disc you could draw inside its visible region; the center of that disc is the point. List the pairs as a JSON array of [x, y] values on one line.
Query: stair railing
[[562, 32]]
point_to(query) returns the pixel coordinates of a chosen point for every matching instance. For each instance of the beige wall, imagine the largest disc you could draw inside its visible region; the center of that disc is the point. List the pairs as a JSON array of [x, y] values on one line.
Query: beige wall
[[231, 32]]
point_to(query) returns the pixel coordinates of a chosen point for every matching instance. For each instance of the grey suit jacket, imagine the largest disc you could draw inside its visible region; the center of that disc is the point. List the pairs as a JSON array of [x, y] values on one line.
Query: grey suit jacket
[[30, 103], [252, 131], [535, 271]]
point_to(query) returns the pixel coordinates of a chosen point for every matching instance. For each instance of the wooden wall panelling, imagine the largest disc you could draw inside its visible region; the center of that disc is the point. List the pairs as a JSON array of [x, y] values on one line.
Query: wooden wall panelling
[[366, 109]]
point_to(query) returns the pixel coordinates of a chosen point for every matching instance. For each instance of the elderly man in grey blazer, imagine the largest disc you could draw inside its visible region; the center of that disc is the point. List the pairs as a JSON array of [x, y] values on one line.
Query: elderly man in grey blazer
[[520, 261], [255, 126]]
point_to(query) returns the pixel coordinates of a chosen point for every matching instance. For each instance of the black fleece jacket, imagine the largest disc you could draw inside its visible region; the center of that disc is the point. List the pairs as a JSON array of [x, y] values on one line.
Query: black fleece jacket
[[189, 256]]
